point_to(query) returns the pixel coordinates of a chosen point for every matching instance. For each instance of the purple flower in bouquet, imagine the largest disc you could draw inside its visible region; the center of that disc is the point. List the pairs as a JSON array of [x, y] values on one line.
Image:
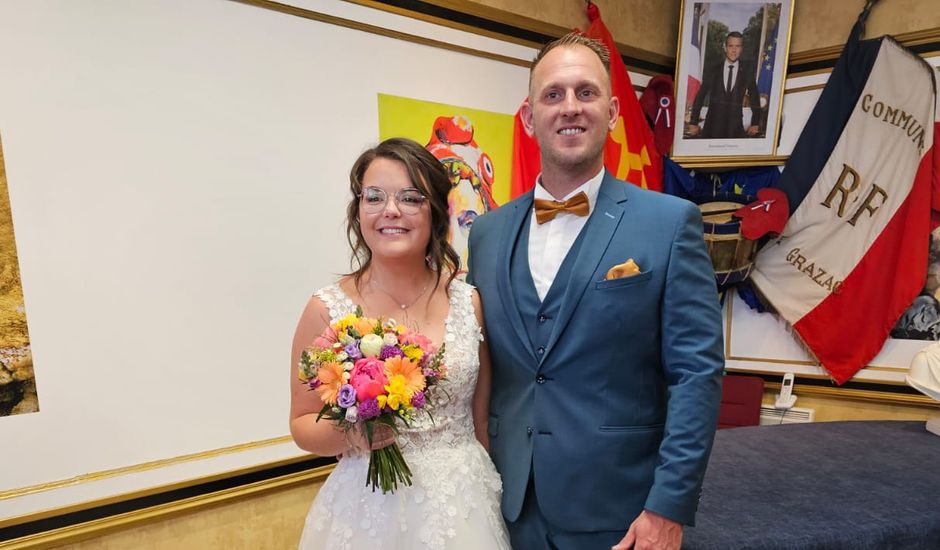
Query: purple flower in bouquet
[[390, 351], [347, 396], [314, 383], [352, 350], [417, 400], [369, 409]]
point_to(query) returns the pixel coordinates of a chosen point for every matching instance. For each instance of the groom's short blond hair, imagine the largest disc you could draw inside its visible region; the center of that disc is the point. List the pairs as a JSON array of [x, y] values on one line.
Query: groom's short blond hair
[[574, 39]]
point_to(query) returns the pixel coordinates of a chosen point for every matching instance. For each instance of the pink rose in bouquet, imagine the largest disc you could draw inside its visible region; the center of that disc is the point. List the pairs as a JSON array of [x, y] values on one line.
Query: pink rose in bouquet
[[412, 338]]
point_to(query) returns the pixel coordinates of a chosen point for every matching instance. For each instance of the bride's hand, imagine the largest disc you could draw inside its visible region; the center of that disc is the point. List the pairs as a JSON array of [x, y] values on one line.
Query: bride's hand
[[382, 436]]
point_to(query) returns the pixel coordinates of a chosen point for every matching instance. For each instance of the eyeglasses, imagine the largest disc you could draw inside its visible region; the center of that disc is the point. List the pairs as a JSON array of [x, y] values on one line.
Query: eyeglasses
[[409, 201]]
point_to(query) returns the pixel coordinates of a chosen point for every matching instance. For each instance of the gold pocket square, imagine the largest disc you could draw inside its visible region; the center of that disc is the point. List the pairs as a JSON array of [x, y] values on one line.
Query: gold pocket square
[[626, 269]]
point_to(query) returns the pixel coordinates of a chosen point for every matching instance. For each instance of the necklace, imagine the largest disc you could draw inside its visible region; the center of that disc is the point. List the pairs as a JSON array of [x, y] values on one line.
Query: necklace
[[373, 282]]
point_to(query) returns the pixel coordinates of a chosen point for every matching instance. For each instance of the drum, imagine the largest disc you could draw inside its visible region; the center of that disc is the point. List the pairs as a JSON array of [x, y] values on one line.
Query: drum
[[732, 255]]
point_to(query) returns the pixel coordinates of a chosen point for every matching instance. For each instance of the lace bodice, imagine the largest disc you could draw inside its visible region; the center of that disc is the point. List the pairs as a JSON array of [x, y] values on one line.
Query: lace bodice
[[454, 499]]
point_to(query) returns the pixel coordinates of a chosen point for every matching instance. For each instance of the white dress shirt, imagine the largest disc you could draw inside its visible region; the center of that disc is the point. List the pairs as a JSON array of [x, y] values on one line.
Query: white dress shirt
[[734, 76], [550, 242]]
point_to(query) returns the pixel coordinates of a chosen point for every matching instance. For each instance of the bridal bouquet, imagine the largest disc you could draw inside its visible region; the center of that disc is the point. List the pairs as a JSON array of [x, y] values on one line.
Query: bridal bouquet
[[369, 372]]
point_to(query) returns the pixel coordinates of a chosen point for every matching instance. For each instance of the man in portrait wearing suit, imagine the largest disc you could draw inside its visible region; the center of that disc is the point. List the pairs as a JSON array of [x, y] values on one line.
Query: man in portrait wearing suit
[[725, 84], [602, 322]]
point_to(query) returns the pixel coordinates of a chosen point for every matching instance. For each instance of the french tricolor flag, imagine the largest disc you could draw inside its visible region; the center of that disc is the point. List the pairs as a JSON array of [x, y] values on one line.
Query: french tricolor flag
[[696, 57], [862, 181]]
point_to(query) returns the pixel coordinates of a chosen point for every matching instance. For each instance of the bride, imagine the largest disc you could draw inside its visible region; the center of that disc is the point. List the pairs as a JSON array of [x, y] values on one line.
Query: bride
[[398, 226]]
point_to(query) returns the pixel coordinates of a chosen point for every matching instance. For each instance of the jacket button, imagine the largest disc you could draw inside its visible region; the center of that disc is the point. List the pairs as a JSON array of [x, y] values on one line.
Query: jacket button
[[541, 350], [540, 379], [542, 318], [529, 430]]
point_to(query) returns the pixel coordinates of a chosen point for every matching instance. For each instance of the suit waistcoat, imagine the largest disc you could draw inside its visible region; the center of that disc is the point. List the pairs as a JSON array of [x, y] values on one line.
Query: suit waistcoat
[[539, 316]]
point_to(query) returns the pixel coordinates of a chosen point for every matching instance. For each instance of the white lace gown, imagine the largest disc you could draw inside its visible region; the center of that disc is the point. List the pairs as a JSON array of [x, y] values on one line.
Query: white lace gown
[[453, 502]]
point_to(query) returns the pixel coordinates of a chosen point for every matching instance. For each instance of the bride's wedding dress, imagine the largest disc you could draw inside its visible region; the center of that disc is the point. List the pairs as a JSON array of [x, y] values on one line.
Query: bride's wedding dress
[[453, 503]]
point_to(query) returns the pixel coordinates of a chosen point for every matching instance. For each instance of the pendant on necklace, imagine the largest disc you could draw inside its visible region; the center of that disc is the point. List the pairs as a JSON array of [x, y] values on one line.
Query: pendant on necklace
[[404, 307]]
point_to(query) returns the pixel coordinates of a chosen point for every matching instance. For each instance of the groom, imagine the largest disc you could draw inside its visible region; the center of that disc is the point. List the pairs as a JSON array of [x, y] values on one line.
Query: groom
[[605, 385]]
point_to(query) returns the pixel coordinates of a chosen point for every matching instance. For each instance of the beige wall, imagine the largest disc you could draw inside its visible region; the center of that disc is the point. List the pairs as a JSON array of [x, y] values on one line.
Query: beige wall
[[272, 521], [653, 25], [818, 24], [830, 409]]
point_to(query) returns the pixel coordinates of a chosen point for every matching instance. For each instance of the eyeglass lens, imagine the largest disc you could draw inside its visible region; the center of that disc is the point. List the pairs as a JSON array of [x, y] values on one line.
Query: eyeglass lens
[[409, 200]]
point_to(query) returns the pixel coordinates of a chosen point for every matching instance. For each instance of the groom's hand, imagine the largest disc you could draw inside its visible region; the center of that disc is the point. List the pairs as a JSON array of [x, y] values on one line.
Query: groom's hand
[[650, 531]]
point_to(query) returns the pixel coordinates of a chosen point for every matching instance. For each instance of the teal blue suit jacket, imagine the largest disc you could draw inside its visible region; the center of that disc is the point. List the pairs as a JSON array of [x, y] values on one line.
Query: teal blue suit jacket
[[619, 411]]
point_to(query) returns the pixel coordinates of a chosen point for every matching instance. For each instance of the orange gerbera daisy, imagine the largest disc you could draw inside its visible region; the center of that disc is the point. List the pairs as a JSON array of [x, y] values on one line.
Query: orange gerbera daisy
[[407, 369], [330, 376]]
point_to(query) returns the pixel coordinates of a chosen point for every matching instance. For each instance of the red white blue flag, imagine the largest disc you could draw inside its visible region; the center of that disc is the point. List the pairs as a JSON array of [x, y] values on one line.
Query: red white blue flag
[[862, 181], [696, 57]]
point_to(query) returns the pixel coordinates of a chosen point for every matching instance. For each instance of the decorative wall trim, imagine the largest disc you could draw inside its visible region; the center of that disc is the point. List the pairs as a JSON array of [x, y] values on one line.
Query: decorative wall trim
[[732, 161], [162, 463], [110, 524], [508, 26], [106, 501], [820, 60], [381, 31], [806, 88], [925, 42], [866, 391], [778, 362], [863, 395], [539, 31]]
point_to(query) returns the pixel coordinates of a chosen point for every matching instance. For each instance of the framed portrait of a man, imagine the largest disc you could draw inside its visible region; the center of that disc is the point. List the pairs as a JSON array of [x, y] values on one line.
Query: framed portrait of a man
[[730, 73]]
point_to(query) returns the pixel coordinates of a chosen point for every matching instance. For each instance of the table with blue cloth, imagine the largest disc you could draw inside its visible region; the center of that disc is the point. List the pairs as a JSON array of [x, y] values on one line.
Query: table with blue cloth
[[824, 485]]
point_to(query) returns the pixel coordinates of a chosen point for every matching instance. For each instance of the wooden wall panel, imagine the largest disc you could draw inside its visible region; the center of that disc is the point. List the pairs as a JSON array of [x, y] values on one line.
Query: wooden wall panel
[[650, 25], [823, 24], [272, 521], [653, 25], [830, 409]]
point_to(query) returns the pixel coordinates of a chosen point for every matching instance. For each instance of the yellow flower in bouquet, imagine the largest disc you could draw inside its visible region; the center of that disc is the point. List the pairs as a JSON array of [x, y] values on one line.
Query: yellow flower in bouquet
[[413, 352], [346, 322], [398, 395]]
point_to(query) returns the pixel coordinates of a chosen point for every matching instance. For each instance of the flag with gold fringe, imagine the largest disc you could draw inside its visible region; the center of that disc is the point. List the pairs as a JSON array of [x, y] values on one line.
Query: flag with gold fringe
[[861, 182]]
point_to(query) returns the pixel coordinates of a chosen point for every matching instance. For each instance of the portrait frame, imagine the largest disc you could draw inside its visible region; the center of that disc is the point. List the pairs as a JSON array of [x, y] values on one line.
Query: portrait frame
[[762, 48], [763, 344]]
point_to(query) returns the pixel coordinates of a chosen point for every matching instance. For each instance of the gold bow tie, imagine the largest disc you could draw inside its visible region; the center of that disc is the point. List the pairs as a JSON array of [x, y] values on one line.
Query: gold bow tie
[[546, 210]]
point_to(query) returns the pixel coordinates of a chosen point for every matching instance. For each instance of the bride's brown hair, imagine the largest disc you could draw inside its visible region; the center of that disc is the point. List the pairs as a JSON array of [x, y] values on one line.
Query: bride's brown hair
[[426, 174]]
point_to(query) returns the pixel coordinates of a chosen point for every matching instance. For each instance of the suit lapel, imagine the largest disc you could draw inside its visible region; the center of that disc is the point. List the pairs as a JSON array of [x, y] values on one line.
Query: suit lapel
[[507, 243], [599, 231]]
